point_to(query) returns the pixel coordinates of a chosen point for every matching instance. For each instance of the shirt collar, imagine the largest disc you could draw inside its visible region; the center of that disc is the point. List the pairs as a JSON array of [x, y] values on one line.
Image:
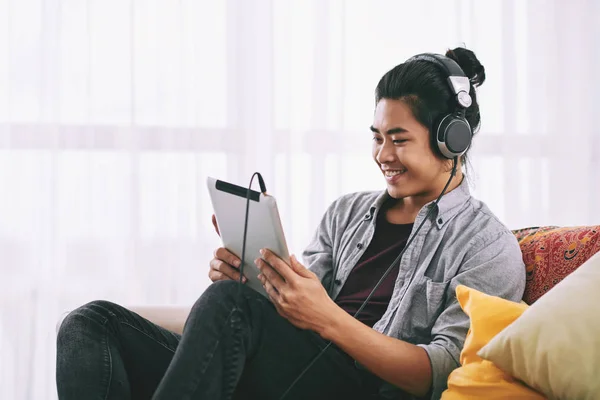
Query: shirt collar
[[449, 205]]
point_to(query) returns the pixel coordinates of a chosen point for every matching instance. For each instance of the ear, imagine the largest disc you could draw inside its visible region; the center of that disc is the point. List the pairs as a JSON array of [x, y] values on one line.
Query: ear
[[449, 164]]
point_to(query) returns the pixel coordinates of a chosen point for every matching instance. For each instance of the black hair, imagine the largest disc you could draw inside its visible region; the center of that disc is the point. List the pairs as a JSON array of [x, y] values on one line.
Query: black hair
[[423, 86]]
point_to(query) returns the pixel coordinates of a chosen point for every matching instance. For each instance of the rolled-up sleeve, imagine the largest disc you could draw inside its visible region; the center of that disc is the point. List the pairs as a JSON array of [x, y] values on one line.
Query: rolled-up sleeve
[[495, 267]]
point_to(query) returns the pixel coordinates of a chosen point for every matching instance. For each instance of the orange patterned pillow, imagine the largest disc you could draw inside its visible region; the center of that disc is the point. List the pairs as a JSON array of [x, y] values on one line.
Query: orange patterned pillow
[[550, 254]]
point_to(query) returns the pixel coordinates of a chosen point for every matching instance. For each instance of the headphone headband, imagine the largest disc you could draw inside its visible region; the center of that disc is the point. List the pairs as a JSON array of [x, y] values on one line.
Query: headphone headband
[[457, 79]]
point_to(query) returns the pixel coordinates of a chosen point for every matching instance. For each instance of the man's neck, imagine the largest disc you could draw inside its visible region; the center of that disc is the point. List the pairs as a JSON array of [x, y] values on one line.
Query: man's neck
[[408, 208]]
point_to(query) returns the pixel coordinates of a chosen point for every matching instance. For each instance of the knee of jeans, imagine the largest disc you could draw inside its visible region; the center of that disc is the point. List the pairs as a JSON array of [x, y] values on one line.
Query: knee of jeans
[[85, 317], [222, 290], [224, 293]]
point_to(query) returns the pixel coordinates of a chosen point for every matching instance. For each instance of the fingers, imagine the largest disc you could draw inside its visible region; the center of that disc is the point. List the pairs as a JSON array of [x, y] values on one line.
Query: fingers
[[276, 298], [221, 270], [278, 265], [225, 255], [215, 276], [299, 268], [271, 291], [214, 222], [270, 274], [224, 266]]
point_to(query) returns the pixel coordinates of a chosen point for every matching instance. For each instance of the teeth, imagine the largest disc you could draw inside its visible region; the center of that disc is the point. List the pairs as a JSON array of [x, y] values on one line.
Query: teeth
[[393, 172]]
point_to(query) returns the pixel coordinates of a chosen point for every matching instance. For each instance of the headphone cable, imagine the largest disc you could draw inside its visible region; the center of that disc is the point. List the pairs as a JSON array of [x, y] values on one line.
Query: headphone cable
[[263, 189]]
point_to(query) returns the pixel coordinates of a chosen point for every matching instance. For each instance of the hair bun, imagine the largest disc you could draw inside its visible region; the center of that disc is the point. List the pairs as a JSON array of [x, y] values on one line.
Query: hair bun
[[468, 62]]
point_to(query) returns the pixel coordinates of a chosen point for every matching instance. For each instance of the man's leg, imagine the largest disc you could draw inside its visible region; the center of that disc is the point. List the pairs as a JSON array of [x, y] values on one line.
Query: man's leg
[[239, 347], [105, 351]]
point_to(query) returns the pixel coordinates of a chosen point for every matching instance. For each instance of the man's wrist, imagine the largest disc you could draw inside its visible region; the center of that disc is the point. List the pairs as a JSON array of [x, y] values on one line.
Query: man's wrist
[[334, 326]]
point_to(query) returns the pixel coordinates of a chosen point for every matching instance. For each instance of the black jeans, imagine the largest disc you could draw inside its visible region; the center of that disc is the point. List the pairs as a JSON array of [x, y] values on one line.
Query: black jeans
[[233, 347]]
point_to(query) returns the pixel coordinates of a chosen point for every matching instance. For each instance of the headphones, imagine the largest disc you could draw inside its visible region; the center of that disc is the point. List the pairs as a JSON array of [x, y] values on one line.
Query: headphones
[[453, 133]]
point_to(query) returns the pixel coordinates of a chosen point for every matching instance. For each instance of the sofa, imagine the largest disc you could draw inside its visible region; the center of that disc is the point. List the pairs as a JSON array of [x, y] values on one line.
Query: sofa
[[550, 254], [546, 346]]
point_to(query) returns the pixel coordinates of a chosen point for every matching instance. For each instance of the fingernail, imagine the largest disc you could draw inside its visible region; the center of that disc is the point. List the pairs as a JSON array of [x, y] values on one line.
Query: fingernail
[[262, 252], [244, 279], [237, 263]]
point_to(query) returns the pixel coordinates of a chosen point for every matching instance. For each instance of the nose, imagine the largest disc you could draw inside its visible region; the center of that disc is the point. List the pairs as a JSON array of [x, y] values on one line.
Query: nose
[[385, 153]]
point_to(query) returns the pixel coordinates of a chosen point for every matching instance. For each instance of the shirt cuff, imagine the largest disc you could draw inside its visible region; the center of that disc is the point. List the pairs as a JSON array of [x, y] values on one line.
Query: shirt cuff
[[442, 364]]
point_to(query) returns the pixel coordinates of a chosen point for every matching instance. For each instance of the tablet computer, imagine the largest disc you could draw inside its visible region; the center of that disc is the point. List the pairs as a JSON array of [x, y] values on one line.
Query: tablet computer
[[264, 225]]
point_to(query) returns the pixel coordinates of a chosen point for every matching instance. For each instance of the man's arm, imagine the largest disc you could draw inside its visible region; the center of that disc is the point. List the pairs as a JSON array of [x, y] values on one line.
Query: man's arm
[[400, 363], [494, 267], [299, 296]]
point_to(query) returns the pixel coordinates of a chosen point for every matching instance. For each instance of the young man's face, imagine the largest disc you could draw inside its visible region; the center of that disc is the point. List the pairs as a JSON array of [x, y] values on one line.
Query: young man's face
[[402, 150]]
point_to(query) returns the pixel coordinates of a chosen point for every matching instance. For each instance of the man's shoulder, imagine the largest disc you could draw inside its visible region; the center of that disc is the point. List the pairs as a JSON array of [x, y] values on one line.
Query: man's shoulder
[[362, 196], [355, 201], [483, 226]]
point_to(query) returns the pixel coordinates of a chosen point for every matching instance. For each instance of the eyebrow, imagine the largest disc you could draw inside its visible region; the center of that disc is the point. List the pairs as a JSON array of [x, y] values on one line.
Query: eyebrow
[[390, 131]]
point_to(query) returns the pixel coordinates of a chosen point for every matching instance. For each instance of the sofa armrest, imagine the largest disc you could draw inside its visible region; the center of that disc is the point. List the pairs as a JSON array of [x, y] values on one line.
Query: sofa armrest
[[169, 317]]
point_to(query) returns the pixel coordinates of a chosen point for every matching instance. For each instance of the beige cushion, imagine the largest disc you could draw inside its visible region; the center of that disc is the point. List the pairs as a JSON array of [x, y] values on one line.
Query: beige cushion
[[554, 346]]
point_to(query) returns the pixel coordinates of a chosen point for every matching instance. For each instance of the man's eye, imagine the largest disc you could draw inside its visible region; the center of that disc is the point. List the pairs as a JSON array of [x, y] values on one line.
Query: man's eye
[[377, 139], [400, 141]]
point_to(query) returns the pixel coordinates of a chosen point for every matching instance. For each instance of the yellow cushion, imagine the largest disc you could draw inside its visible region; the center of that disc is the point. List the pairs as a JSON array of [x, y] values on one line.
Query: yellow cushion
[[555, 346], [478, 378]]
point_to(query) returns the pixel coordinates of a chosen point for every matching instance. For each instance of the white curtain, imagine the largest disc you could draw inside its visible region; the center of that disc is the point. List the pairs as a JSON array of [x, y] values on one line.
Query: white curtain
[[113, 113]]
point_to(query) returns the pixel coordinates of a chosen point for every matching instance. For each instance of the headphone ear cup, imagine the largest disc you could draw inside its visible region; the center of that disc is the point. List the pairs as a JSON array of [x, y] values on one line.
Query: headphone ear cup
[[453, 136]]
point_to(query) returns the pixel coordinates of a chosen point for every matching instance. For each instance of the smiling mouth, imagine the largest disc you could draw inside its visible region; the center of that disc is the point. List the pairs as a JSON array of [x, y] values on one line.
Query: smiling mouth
[[390, 173]]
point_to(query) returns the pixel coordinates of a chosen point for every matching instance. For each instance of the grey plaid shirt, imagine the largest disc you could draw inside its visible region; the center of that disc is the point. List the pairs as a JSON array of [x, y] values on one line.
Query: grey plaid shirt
[[461, 243]]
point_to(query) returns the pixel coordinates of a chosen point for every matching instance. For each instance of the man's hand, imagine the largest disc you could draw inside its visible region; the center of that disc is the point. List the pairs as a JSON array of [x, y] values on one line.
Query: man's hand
[[214, 222], [296, 292], [224, 266]]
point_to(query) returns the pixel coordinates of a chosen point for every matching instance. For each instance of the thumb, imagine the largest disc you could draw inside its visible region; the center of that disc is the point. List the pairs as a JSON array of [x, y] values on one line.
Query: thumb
[[299, 268]]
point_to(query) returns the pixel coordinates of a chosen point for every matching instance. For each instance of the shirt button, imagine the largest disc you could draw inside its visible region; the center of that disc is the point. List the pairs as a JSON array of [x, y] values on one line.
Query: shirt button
[[367, 217], [359, 246], [440, 221], [337, 282]]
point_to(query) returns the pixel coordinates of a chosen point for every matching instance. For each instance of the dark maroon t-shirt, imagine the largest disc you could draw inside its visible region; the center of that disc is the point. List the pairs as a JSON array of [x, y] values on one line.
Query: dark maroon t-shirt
[[388, 241]]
